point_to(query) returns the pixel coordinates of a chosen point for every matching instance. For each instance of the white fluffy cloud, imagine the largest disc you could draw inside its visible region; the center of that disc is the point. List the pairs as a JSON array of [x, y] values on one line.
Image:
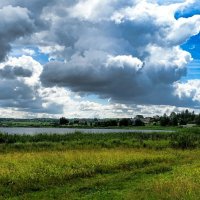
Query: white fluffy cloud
[[189, 89], [124, 61]]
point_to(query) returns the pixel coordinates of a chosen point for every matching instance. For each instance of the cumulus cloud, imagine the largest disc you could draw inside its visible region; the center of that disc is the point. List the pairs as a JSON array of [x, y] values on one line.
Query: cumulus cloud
[[188, 89], [20, 87], [82, 77], [129, 52], [126, 51]]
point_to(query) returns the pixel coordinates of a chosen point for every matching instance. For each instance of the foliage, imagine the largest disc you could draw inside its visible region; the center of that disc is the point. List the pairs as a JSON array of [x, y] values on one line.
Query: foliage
[[185, 141], [63, 121], [183, 118], [106, 123], [138, 122], [125, 122], [197, 119]]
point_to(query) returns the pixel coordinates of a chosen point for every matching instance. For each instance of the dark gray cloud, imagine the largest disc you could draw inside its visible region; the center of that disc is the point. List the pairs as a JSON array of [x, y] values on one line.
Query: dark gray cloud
[[17, 94], [9, 72], [124, 84], [15, 22]]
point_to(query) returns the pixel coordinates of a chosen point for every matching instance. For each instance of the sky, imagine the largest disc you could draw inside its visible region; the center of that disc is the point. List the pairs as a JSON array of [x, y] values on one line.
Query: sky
[[99, 58]]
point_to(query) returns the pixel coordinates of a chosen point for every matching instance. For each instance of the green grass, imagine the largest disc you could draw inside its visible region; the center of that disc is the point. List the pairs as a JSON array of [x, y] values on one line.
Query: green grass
[[185, 138], [150, 166]]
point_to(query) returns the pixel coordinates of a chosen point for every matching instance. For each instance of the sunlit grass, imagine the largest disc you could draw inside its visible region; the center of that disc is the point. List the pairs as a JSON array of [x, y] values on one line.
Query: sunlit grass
[[20, 172], [183, 183], [109, 166]]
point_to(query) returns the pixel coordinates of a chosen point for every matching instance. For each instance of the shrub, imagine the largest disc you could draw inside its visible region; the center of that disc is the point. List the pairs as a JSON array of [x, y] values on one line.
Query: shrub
[[184, 141]]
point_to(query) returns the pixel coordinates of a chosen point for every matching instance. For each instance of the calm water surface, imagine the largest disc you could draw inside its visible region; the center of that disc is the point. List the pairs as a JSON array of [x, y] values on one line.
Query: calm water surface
[[31, 131]]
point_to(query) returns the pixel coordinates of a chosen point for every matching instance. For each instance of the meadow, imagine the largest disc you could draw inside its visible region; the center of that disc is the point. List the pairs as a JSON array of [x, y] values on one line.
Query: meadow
[[101, 166]]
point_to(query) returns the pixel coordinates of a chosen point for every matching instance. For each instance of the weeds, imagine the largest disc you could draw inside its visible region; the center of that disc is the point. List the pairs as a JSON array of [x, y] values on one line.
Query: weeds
[[120, 166]]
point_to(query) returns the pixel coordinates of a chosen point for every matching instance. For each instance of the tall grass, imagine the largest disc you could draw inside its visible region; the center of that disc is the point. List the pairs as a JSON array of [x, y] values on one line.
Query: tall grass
[[79, 140], [184, 183], [77, 136], [185, 139], [23, 172], [145, 163]]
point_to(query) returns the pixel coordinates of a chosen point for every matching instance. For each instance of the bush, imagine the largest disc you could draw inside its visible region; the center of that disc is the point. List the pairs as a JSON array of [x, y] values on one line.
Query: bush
[[184, 141]]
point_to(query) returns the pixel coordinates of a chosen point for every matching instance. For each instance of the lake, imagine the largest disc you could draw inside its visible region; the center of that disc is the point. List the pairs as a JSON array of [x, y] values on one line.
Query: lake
[[32, 131]]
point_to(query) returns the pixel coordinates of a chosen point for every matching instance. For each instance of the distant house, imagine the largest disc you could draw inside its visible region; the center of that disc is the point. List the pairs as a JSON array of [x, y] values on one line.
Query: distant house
[[139, 117], [147, 120], [156, 117]]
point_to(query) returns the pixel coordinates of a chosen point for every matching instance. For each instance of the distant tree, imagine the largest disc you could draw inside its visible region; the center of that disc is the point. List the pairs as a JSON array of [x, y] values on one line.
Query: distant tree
[[186, 117], [197, 119], [107, 122], [165, 120], [182, 122], [76, 121], [124, 122], [173, 119], [173, 114], [95, 120], [138, 122], [64, 121], [112, 122]]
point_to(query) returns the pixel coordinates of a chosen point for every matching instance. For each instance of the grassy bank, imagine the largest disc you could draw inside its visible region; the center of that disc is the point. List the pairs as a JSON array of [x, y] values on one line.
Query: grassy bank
[[185, 138], [100, 166]]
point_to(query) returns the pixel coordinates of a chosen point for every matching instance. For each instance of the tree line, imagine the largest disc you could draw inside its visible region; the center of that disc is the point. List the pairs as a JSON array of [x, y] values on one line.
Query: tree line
[[174, 119], [183, 118]]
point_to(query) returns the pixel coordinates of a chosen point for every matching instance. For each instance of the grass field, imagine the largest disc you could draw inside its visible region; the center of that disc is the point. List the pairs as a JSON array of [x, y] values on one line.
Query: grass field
[[101, 166]]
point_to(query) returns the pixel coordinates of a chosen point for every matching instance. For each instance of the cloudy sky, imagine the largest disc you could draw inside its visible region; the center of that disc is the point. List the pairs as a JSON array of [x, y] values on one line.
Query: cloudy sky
[[98, 58]]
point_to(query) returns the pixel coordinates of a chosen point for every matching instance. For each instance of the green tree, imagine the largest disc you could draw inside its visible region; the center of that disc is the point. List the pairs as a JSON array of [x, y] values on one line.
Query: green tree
[[197, 119], [124, 122], [173, 119], [165, 120], [63, 121], [138, 122]]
